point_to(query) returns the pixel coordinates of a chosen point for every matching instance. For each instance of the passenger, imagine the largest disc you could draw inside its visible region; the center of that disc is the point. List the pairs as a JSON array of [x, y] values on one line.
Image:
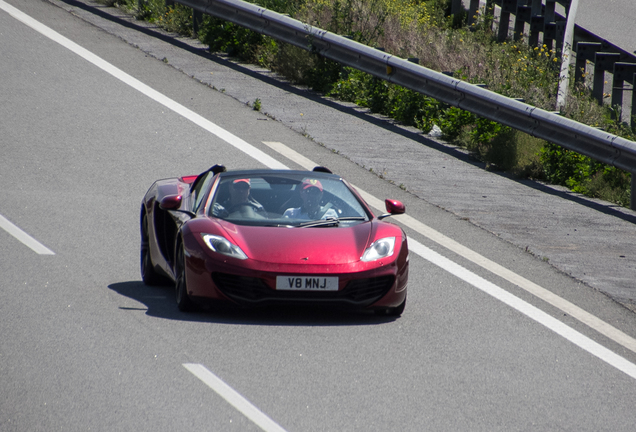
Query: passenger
[[311, 194], [240, 203]]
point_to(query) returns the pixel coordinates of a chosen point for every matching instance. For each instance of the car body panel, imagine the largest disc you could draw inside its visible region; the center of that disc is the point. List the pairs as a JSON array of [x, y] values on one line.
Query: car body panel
[[271, 251]]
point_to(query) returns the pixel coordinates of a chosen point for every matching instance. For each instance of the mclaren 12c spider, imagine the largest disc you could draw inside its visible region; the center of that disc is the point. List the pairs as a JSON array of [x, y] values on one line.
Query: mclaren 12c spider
[[272, 237]]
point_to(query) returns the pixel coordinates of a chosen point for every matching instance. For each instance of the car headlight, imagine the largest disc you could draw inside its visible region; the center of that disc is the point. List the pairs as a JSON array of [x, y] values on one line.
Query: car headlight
[[382, 248], [223, 246]]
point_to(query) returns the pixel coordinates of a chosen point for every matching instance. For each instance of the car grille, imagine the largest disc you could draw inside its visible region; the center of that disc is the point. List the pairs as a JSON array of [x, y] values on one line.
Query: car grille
[[252, 291]]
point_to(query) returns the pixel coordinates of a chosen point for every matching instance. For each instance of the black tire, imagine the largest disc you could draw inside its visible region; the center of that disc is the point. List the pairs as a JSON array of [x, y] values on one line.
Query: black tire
[[392, 311], [184, 303], [148, 273]]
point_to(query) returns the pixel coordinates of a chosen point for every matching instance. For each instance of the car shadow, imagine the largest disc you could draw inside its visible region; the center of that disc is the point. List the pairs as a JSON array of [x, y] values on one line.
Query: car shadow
[[159, 302]]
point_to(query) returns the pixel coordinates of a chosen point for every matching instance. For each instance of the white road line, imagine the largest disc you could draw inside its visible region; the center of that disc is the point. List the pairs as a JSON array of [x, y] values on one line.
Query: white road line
[[143, 88], [502, 295], [26, 239], [525, 308], [549, 297], [270, 162], [233, 398]]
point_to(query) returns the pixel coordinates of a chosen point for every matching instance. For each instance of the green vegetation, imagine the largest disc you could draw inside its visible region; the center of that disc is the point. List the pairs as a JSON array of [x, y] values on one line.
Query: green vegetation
[[423, 29]]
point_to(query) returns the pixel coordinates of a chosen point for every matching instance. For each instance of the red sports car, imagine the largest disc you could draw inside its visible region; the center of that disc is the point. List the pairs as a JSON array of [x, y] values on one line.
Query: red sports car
[[263, 237]]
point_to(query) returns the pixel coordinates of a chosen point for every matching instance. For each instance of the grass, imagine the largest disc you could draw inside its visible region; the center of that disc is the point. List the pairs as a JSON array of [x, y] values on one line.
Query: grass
[[423, 29]]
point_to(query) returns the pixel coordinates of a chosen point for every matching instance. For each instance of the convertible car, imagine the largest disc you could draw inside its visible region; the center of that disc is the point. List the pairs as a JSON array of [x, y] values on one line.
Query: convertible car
[[271, 237]]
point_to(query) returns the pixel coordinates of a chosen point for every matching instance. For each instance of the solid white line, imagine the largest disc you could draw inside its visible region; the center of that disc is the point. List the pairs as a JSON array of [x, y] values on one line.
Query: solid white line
[[549, 297], [143, 88], [274, 164], [26, 239], [527, 309], [500, 294], [233, 397]]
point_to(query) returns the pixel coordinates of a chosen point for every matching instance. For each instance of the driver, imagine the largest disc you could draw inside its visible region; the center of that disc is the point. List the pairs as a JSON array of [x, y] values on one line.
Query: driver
[[311, 194], [240, 202]]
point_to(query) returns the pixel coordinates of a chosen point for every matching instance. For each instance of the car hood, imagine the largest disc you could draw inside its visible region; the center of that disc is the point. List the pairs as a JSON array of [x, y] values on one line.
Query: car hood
[[318, 246]]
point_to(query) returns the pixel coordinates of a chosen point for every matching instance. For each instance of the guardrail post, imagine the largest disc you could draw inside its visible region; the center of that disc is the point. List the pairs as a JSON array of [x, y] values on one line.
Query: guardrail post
[[549, 24], [537, 21], [560, 28], [537, 26], [632, 197], [550, 10], [585, 51], [599, 145], [489, 11], [473, 11], [624, 72], [633, 116], [523, 15], [456, 7], [602, 62], [197, 19], [507, 7]]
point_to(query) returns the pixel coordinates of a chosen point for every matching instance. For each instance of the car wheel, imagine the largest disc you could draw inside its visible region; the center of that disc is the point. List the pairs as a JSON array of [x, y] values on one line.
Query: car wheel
[[393, 311], [184, 303], [148, 273]]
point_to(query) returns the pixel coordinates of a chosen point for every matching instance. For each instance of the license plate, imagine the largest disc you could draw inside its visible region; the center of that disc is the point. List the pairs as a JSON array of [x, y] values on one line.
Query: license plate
[[306, 283]]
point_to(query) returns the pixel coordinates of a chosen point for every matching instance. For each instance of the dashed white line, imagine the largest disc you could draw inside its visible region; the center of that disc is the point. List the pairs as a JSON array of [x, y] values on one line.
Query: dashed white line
[[555, 325], [499, 293], [233, 398], [143, 88], [26, 239]]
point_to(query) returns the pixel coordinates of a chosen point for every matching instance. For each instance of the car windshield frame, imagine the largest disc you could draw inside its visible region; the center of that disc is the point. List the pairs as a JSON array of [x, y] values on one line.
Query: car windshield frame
[[286, 199]]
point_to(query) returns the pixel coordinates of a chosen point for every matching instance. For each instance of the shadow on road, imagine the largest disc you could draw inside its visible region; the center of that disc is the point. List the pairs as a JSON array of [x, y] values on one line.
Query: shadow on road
[[160, 303], [272, 79]]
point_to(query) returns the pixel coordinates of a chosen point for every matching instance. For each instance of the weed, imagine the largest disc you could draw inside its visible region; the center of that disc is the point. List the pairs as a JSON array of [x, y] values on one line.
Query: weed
[[424, 29]]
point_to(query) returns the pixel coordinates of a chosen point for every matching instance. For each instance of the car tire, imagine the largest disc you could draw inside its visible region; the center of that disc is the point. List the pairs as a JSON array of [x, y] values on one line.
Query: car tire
[[148, 274], [392, 311], [184, 303]]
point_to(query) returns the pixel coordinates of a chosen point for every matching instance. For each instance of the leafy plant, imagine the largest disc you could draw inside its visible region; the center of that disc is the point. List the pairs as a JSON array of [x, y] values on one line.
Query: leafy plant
[[424, 29]]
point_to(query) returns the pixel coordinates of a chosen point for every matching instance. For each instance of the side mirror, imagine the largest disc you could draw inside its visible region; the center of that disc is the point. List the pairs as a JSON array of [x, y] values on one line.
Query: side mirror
[[394, 207], [170, 202]]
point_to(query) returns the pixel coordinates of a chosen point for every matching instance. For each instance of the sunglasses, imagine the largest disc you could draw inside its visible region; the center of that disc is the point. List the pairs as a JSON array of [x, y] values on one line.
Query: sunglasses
[[312, 191]]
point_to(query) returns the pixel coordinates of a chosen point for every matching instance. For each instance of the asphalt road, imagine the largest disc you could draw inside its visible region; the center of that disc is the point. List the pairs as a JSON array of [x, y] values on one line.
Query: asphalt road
[[613, 20], [86, 346]]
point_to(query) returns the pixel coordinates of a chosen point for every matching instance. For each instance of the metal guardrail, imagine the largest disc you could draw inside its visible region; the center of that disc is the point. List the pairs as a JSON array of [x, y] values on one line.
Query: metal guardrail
[[592, 142], [595, 56]]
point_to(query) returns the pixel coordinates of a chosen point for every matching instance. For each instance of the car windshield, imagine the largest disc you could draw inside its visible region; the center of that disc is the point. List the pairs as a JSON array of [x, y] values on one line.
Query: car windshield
[[296, 199]]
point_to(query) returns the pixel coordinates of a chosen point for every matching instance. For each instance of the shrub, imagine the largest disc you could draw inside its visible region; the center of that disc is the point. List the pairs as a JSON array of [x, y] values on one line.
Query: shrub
[[423, 29]]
